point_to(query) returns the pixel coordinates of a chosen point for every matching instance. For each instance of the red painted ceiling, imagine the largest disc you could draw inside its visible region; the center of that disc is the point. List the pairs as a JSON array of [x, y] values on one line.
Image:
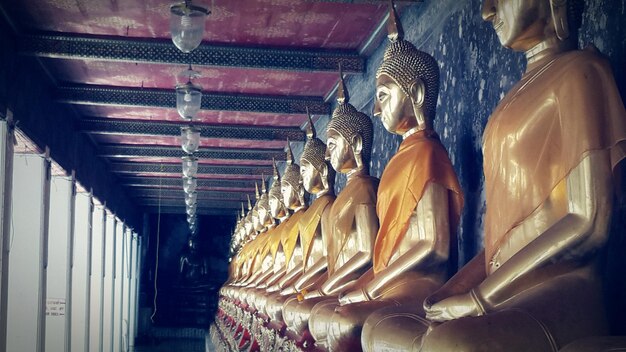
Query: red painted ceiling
[[295, 23], [290, 24]]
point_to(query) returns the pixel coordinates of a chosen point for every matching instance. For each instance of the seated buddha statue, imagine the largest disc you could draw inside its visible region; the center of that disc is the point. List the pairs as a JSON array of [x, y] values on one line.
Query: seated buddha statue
[[318, 179], [419, 199], [293, 194], [549, 151], [353, 222]]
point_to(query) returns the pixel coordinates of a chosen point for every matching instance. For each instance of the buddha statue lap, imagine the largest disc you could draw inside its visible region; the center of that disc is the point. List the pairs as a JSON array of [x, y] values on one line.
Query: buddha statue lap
[[419, 199], [549, 150], [353, 222]]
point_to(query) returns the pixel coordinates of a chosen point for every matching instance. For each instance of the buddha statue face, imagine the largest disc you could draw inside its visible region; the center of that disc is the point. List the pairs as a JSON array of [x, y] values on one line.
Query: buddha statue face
[[518, 23], [393, 106], [341, 152], [312, 179], [265, 216], [522, 24], [314, 169], [255, 219]]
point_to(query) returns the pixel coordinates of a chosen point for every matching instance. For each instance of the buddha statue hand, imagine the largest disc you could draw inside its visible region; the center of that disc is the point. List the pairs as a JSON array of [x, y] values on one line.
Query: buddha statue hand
[[454, 307], [355, 296], [313, 294]]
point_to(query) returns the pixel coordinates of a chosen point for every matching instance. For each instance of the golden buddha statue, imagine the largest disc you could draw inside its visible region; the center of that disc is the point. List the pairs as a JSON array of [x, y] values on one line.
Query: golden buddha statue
[[418, 203], [549, 149], [353, 214], [294, 199], [318, 179]]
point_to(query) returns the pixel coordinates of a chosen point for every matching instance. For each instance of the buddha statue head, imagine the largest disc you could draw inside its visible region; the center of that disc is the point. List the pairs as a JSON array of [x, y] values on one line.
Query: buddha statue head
[[255, 209], [523, 25], [349, 135], [317, 175], [275, 197], [291, 184], [407, 84], [247, 223], [263, 206]]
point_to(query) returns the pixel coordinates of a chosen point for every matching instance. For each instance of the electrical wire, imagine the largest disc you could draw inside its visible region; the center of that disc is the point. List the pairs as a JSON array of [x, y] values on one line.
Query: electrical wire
[[156, 265]]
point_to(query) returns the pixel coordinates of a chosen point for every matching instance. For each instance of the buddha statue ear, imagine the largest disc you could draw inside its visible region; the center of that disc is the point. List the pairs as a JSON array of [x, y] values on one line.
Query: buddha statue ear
[[357, 146], [417, 94], [558, 9]]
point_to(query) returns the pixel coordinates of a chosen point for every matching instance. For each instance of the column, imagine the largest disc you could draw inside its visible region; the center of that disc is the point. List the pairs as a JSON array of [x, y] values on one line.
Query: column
[[128, 259], [6, 177], [134, 289], [96, 279], [80, 264], [109, 266], [27, 253], [118, 286], [58, 271]]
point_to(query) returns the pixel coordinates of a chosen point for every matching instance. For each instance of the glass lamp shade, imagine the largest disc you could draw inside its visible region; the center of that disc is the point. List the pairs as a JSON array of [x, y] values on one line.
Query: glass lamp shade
[[189, 184], [187, 25], [188, 100], [191, 198], [190, 166], [190, 139]]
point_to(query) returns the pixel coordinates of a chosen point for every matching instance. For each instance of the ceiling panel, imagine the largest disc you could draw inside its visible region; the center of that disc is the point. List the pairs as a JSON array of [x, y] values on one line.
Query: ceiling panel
[[293, 23], [229, 80]]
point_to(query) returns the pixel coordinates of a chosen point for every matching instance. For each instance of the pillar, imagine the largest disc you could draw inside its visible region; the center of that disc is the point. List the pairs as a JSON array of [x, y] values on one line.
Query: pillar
[[58, 271], [81, 261], [27, 248], [96, 279], [6, 177]]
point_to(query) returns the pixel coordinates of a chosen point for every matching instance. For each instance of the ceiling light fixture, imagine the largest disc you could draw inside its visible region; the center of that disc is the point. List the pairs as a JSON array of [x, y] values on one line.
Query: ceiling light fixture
[[187, 25], [190, 166], [190, 139], [190, 184]]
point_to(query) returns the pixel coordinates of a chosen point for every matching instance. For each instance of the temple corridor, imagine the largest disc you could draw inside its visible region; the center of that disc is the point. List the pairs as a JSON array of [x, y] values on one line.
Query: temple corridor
[[312, 175]]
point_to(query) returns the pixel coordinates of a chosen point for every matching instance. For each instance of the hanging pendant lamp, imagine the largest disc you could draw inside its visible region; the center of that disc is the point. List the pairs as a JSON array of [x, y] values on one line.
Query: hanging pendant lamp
[[187, 25]]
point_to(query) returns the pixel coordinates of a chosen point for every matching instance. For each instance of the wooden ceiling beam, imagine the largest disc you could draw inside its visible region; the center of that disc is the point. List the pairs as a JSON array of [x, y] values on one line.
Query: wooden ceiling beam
[[159, 51]]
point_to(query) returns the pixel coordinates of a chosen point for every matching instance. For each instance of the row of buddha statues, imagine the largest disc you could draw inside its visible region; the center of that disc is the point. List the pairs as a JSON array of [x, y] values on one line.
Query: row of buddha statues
[[374, 267]]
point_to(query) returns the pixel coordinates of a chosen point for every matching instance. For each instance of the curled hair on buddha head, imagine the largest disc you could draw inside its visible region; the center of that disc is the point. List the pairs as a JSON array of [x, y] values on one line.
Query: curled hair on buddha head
[[315, 150], [291, 176], [348, 122], [404, 64], [275, 189]]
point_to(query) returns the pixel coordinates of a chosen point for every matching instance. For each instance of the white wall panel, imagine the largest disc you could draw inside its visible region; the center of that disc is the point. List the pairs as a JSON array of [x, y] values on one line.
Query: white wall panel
[[109, 266], [81, 258], [96, 279], [118, 286], [6, 176], [27, 254], [59, 234]]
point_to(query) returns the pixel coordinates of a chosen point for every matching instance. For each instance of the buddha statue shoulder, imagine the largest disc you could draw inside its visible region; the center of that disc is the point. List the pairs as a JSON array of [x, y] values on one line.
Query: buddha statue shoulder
[[419, 200], [549, 149]]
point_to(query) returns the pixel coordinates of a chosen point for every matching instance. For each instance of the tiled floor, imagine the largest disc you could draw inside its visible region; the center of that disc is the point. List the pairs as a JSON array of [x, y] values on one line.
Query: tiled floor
[[174, 345]]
